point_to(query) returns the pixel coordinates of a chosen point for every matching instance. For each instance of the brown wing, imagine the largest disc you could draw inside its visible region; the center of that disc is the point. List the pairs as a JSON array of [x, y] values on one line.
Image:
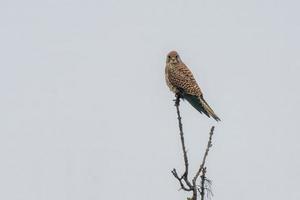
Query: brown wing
[[181, 77]]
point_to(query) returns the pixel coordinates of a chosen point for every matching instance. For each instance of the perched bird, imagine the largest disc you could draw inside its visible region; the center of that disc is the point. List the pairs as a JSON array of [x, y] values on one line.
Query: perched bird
[[182, 82]]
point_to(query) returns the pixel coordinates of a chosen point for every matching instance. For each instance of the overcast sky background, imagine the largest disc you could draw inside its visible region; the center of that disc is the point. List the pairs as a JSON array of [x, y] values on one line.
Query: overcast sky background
[[85, 112]]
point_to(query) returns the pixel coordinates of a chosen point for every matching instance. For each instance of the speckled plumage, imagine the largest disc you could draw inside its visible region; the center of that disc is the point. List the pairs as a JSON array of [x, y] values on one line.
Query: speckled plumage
[[181, 81]]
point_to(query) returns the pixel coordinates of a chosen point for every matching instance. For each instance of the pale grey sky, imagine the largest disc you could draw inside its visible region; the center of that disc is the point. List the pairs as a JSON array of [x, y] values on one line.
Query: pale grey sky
[[86, 114]]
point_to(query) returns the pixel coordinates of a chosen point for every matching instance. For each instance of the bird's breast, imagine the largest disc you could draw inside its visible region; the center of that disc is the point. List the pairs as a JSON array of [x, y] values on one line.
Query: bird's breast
[[168, 70]]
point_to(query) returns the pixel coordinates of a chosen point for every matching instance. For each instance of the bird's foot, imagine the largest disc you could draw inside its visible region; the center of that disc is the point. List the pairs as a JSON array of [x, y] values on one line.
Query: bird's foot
[[177, 99]]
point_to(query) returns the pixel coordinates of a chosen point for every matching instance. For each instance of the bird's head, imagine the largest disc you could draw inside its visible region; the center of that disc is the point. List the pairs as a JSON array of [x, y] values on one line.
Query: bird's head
[[173, 58]]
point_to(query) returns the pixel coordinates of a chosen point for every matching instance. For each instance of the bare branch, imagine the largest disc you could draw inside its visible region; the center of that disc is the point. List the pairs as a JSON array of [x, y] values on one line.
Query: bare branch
[[183, 180], [186, 162], [174, 172], [202, 191], [209, 145]]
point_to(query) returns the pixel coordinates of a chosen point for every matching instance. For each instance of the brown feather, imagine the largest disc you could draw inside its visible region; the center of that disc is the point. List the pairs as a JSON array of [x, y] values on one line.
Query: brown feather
[[180, 79]]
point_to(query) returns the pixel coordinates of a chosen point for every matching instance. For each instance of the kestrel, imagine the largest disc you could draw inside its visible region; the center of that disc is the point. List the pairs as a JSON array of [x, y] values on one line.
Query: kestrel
[[182, 82]]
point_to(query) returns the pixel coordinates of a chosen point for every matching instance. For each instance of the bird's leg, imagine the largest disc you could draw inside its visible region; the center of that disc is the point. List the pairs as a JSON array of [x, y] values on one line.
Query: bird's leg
[[177, 99]]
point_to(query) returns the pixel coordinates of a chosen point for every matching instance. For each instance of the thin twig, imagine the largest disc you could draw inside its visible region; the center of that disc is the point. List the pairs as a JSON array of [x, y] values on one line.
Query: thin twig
[[186, 162], [209, 144], [203, 179], [174, 172]]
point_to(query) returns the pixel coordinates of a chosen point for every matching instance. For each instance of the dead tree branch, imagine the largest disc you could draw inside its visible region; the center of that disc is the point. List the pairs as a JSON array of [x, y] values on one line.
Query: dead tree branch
[[209, 145], [185, 157], [202, 187], [183, 180]]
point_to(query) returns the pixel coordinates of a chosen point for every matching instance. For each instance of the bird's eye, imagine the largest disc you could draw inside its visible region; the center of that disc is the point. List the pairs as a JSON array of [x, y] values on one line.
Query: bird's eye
[[169, 57]]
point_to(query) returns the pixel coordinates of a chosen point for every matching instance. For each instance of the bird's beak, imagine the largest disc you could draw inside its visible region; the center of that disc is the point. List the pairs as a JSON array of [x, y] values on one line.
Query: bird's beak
[[173, 61]]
